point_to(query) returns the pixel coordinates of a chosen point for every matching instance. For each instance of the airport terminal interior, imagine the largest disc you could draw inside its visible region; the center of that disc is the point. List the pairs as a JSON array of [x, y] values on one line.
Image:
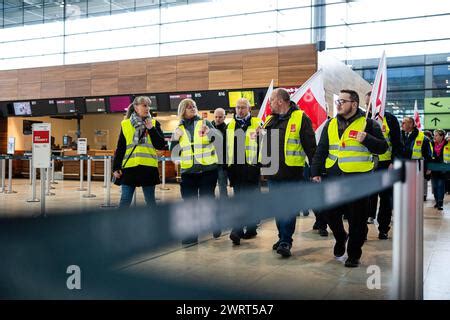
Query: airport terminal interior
[[70, 70]]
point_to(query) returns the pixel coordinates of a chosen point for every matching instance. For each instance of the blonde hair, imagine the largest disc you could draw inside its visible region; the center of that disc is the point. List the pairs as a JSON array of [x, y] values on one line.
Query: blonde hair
[[183, 105], [137, 101]]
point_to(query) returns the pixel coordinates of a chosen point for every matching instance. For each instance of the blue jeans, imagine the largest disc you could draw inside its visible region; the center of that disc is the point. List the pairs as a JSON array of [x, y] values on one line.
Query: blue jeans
[[286, 226], [222, 181], [128, 191], [438, 185]]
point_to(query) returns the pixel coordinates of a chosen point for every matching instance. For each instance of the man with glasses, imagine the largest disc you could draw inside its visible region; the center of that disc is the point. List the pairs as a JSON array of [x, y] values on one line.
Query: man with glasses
[[345, 148]]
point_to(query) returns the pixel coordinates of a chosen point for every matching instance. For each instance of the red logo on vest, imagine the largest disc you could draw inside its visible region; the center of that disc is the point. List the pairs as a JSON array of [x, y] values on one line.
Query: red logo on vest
[[419, 143], [353, 134], [383, 129], [293, 128]]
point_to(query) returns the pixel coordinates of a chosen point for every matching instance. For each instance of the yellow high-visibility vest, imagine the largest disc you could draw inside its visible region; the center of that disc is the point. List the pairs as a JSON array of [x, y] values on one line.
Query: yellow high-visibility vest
[[294, 155], [417, 148], [251, 142], [351, 155], [386, 130], [144, 154], [201, 149], [446, 154]]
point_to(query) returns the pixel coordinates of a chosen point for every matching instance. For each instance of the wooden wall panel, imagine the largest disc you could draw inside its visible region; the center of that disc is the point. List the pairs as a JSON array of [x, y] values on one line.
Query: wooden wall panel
[[77, 72], [77, 88], [53, 89], [259, 77], [192, 81], [52, 74], [192, 63], [136, 67], [136, 84], [29, 75], [297, 55], [225, 61], [295, 75], [163, 65], [260, 58], [162, 82], [29, 90], [8, 89], [228, 79], [105, 70], [105, 86], [9, 75]]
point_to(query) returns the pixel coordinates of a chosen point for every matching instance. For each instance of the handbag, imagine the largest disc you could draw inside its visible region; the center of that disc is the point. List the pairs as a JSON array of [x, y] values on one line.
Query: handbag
[[118, 181]]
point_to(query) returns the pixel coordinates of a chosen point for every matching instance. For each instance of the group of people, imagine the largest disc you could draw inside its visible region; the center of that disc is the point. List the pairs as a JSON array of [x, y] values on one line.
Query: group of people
[[279, 149]]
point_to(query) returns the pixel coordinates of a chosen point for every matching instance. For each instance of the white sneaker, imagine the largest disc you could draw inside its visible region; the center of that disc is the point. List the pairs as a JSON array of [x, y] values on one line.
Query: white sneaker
[[370, 220]]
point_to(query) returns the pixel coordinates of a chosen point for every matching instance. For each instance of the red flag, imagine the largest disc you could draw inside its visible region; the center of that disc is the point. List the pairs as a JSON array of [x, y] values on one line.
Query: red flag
[[265, 106], [416, 116], [310, 98], [378, 97]]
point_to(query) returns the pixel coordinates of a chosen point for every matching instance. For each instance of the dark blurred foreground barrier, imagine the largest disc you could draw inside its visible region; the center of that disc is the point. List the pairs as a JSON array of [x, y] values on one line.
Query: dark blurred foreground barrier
[[37, 252]]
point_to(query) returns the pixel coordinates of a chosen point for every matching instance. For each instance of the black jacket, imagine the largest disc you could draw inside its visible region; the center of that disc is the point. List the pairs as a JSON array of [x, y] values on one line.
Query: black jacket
[[139, 175], [408, 144], [307, 139], [242, 174], [374, 142]]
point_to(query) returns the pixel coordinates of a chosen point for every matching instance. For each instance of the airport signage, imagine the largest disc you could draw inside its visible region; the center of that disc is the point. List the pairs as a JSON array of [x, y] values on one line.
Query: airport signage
[[41, 145]]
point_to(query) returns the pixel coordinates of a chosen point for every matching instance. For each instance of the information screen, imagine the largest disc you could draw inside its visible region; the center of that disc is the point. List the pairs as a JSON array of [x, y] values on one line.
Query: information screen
[[234, 96], [22, 108], [175, 100], [119, 103], [95, 105], [66, 106]]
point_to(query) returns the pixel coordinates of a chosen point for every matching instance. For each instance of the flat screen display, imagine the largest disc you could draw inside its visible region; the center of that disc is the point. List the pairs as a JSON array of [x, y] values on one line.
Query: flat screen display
[[154, 105], [95, 105], [28, 126], [218, 99], [43, 108], [119, 103], [175, 99], [66, 106], [234, 96], [22, 108]]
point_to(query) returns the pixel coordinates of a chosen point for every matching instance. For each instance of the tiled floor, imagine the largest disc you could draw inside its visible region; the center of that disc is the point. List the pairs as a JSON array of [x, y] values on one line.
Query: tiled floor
[[311, 273]]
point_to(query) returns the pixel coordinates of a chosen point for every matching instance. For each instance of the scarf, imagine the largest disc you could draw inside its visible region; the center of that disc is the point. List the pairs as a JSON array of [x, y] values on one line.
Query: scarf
[[438, 147], [243, 121], [139, 125]]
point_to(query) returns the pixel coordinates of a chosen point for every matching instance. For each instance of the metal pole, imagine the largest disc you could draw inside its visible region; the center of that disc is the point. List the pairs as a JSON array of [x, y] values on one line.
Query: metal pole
[[10, 190], [2, 188], [419, 231], [47, 180], [89, 195], [107, 203], [43, 192], [53, 172], [404, 237], [33, 183], [81, 175], [104, 172], [163, 174], [30, 163]]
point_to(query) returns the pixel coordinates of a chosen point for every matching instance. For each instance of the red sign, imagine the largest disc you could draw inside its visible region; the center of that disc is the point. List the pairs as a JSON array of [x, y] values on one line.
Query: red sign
[[41, 137], [353, 134], [419, 143], [293, 127]]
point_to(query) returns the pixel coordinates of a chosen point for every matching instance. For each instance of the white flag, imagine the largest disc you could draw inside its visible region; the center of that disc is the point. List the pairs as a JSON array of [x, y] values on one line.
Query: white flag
[[378, 97], [416, 116], [265, 106]]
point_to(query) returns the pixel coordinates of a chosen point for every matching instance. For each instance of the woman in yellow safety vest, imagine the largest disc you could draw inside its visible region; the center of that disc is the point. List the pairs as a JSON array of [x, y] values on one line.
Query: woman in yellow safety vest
[[441, 154], [192, 143], [135, 159]]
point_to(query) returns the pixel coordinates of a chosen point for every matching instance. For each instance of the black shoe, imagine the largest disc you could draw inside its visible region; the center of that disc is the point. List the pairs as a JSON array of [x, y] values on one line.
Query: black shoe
[[189, 241], [284, 249], [305, 213], [352, 263], [217, 234], [339, 247], [440, 208], [424, 198], [275, 245], [249, 235], [383, 236], [235, 238], [323, 232], [436, 206], [316, 226]]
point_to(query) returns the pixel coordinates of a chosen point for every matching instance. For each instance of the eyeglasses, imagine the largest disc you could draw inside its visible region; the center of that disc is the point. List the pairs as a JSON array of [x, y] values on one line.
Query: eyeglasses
[[342, 101]]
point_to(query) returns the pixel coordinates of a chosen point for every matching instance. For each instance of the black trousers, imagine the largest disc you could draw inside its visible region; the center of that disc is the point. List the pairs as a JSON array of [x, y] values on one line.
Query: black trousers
[[240, 187], [321, 222], [356, 213]]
